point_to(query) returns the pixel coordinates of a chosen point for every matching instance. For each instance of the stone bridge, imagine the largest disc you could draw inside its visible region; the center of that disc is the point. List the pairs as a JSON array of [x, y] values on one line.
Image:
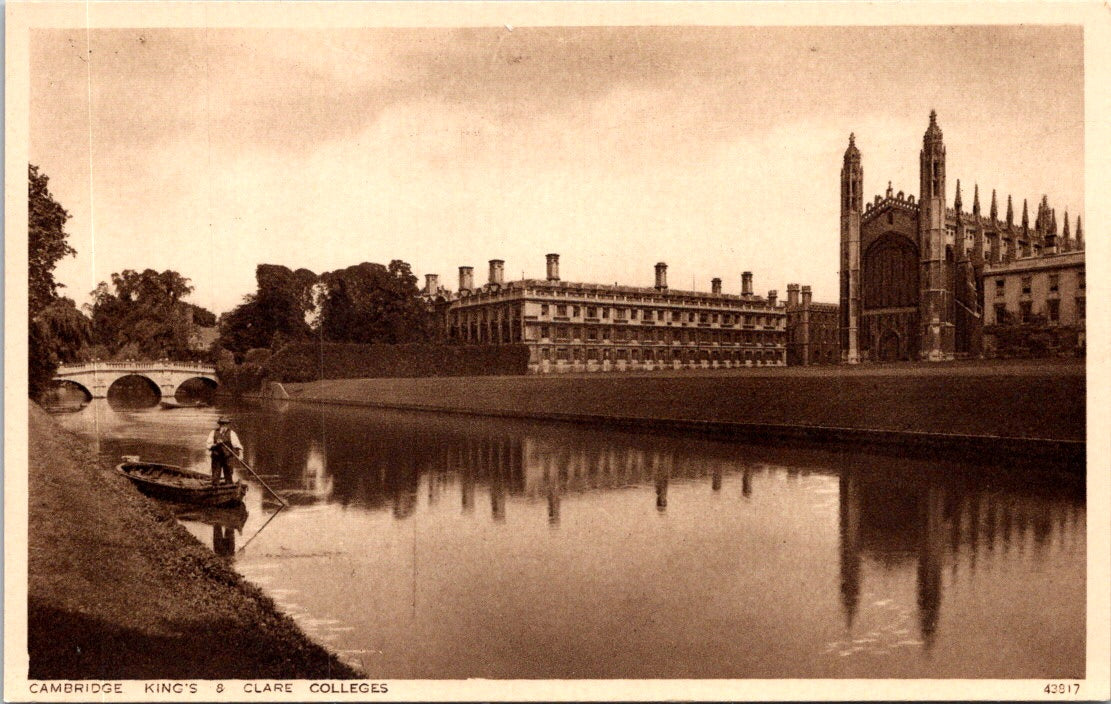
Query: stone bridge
[[95, 378]]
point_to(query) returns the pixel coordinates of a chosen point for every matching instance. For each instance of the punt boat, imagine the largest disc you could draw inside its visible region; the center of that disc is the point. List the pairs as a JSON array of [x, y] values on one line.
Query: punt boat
[[169, 405], [173, 483]]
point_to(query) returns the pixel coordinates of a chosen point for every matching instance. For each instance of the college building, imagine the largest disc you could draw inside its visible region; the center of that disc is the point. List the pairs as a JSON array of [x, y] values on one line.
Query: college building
[[922, 281], [583, 327]]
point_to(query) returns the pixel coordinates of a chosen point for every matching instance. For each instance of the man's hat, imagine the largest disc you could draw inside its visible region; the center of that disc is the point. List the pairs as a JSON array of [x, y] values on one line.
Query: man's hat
[[224, 420]]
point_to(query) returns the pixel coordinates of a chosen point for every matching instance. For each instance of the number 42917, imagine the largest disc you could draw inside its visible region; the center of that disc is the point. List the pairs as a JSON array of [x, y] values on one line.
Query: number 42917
[[1062, 688]]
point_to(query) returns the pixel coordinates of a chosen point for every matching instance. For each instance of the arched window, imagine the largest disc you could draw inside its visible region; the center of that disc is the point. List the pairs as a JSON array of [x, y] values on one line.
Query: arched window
[[890, 276]]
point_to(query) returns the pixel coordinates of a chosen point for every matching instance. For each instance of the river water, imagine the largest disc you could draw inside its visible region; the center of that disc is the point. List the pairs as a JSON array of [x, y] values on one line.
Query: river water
[[434, 546]]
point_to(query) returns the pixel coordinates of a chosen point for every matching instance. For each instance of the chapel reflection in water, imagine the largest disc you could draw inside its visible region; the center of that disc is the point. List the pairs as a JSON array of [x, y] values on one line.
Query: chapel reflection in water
[[892, 512], [891, 521]]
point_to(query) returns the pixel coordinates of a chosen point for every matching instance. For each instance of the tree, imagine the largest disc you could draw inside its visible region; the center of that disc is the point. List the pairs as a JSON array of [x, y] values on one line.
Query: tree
[[46, 246], [275, 314], [370, 303], [143, 314], [46, 240]]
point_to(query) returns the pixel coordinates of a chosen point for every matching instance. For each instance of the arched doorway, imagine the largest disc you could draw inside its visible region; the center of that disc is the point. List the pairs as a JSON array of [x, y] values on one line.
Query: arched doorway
[[888, 349]]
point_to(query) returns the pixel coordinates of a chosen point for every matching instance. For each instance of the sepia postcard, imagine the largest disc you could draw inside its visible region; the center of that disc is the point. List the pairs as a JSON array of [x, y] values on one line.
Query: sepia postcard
[[546, 351]]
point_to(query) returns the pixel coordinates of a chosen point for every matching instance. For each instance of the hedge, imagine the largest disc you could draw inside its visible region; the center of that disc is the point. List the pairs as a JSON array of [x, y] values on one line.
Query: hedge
[[240, 378], [1031, 340], [313, 361]]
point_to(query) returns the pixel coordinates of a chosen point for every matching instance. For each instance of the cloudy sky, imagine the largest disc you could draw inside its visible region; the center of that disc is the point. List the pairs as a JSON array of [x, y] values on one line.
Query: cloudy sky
[[716, 150]]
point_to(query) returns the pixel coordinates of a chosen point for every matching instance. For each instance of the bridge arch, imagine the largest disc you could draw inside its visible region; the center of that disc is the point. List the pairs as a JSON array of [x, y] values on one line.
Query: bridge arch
[[148, 382], [207, 383], [60, 384]]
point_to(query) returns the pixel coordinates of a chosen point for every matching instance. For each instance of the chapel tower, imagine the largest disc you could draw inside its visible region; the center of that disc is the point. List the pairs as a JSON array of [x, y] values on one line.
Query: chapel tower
[[852, 199], [935, 301]]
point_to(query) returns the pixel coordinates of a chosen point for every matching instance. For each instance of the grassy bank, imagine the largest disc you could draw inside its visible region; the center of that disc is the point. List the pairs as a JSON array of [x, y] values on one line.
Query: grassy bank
[[118, 590], [1012, 400]]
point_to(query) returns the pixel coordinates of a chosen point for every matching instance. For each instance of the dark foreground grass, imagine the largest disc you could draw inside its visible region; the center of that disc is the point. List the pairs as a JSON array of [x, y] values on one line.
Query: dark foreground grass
[[118, 590], [1011, 400]]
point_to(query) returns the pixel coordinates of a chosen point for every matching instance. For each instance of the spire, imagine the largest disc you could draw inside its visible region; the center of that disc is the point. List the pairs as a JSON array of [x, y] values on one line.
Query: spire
[[1010, 212], [957, 200], [1066, 236], [1079, 233], [1053, 221], [890, 192], [976, 200], [933, 132], [931, 166], [852, 152], [1025, 216], [994, 212]]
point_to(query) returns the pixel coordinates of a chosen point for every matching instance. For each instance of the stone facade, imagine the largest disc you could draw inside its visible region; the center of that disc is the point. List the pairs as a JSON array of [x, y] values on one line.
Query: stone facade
[[581, 327], [913, 272], [811, 329]]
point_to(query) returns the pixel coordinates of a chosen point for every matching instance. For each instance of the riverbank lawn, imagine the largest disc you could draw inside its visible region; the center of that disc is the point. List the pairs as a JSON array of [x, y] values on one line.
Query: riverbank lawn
[[1028, 399], [118, 590]]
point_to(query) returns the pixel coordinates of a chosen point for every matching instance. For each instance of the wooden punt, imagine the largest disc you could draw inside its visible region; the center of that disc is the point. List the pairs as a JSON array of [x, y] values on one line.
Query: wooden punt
[[170, 405], [173, 483]]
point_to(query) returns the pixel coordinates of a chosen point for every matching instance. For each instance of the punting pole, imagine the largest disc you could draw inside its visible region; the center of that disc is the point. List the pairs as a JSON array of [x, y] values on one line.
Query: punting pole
[[260, 481]]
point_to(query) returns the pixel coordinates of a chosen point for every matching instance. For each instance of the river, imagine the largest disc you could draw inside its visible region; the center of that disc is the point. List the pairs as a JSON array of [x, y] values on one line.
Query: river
[[434, 546]]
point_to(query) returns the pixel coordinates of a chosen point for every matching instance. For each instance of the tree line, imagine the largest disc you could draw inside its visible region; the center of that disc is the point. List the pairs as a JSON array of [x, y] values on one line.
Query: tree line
[[144, 314]]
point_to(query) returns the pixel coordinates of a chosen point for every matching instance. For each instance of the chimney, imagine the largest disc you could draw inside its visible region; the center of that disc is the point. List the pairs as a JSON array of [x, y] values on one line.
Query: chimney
[[746, 283], [553, 267], [431, 284], [497, 271], [661, 277], [806, 296], [792, 295], [773, 295], [466, 278], [715, 285]]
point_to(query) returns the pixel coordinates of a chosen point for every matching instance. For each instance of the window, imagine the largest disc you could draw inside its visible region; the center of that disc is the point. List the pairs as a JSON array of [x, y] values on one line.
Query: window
[[545, 353], [543, 309], [619, 313], [592, 334], [703, 317], [1080, 309], [591, 312], [605, 312], [605, 333], [1054, 281], [575, 311], [544, 332], [690, 317], [1000, 285], [561, 310], [1053, 309], [576, 333], [1024, 311], [1080, 279], [647, 316], [633, 314], [1026, 285]]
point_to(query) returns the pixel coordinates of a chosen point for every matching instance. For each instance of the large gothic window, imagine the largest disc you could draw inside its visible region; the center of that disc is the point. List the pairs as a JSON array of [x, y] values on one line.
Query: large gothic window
[[891, 273]]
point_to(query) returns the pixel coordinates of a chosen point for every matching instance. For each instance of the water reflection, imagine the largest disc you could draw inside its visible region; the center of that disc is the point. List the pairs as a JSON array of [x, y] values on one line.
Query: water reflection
[[860, 565], [226, 522]]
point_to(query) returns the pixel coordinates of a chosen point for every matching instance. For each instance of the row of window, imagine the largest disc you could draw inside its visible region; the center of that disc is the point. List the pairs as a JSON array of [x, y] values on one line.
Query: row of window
[[660, 335], [651, 315], [1026, 313], [1028, 281], [602, 354]]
